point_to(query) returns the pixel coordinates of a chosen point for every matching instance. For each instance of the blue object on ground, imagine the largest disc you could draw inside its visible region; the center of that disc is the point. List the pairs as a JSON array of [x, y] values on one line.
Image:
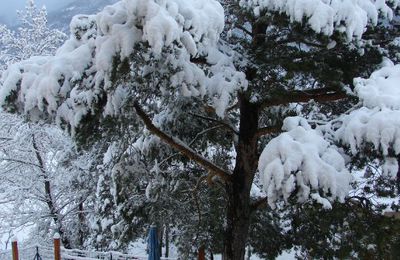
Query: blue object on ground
[[152, 243]]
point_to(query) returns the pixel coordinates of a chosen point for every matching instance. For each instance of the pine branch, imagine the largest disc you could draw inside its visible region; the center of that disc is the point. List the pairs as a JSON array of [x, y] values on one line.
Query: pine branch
[[248, 32], [181, 147], [302, 96]]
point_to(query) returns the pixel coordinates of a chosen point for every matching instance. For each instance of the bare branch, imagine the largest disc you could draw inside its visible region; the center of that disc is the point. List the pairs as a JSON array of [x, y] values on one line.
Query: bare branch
[[248, 32], [20, 161], [181, 147], [234, 106]]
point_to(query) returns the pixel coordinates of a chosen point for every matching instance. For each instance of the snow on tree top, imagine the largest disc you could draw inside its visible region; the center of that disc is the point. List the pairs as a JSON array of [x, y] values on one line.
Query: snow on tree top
[[327, 16], [67, 86]]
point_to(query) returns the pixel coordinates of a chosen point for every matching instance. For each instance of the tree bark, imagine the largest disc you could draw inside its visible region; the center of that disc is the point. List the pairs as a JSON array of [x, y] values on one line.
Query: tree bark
[[238, 191], [398, 174], [49, 197], [166, 240], [81, 218], [238, 184], [160, 239]]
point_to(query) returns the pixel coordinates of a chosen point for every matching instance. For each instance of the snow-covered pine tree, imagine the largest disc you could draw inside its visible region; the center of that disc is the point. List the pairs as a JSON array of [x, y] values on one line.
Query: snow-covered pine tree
[[32, 38], [171, 65]]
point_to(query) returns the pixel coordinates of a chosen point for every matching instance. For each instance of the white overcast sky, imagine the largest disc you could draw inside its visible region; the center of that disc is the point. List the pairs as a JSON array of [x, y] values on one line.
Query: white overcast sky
[[8, 7]]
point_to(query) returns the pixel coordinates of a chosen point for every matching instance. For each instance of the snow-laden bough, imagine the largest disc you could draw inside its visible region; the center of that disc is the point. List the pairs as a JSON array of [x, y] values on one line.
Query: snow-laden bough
[[301, 162]]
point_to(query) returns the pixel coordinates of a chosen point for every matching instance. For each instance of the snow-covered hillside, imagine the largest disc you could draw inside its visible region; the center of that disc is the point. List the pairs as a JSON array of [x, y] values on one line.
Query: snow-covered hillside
[[61, 18]]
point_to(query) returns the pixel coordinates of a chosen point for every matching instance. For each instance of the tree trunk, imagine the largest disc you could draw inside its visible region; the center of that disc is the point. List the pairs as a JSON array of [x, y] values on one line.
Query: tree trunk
[[248, 253], [238, 191], [166, 240], [398, 174], [81, 218], [201, 253], [48, 194], [160, 239]]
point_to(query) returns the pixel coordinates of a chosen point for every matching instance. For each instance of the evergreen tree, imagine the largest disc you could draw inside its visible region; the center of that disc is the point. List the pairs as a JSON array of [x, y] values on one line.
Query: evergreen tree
[[282, 92]]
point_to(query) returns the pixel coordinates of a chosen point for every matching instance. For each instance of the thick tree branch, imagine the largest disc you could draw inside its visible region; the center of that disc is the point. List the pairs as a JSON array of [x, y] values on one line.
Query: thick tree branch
[[48, 194], [199, 60], [191, 142], [234, 106], [20, 162], [297, 40], [181, 147], [268, 130], [248, 32], [260, 203], [302, 96]]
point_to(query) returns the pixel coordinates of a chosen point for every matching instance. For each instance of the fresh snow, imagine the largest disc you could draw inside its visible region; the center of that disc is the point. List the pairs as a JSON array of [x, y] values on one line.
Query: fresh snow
[[323, 16], [49, 85], [377, 121], [301, 158]]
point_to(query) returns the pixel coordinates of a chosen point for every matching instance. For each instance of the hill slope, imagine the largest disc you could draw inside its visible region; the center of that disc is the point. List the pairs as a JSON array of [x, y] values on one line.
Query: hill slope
[[61, 18]]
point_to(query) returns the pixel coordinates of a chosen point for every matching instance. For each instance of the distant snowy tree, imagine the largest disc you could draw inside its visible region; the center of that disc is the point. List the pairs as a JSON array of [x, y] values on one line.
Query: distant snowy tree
[[284, 95], [41, 180], [33, 184], [33, 36]]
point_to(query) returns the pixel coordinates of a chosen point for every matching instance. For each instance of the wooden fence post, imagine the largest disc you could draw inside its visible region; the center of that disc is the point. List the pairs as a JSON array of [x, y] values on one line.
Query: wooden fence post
[[202, 253], [14, 245], [57, 247]]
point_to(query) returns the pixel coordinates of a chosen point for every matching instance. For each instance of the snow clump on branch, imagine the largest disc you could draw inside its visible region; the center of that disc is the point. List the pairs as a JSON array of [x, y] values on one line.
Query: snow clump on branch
[[301, 161], [349, 17], [377, 121]]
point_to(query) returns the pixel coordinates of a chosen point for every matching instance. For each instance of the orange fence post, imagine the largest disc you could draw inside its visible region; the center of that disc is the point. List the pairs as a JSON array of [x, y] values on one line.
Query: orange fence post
[[202, 253], [14, 245], [57, 247]]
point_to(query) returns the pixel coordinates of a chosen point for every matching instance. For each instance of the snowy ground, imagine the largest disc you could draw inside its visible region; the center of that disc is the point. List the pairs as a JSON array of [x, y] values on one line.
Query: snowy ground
[[139, 249], [6, 235]]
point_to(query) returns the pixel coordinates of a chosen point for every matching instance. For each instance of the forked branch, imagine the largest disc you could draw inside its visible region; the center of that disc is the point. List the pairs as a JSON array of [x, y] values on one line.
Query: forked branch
[[181, 147]]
